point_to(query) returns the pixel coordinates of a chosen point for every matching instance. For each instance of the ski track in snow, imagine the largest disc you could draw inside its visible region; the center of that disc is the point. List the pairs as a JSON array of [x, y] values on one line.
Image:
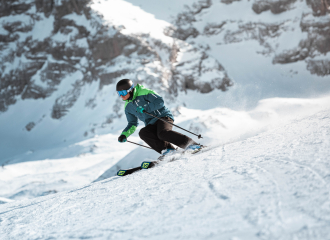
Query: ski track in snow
[[274, 185]]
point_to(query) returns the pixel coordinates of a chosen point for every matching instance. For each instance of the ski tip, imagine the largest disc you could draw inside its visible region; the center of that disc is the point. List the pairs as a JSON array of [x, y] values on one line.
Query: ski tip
[[145, 165], [121, 173]]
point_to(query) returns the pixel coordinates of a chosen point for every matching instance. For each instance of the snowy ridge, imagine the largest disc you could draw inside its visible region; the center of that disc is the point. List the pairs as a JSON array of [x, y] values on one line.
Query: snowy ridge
[[274, 185]]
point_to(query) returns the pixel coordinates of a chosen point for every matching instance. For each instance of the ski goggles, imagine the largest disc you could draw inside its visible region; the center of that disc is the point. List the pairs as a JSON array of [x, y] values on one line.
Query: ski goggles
[[125, 92]]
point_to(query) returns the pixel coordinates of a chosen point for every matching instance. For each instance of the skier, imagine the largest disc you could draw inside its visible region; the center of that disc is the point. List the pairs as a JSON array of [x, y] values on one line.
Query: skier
[[156, 133]]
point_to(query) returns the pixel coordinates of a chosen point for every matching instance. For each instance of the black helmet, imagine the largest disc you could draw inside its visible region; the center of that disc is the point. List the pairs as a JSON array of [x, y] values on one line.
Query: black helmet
[[124, 84]]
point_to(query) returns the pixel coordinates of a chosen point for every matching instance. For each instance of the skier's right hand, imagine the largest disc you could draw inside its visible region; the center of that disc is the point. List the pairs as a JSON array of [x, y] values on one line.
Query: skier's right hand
[[122, 138]]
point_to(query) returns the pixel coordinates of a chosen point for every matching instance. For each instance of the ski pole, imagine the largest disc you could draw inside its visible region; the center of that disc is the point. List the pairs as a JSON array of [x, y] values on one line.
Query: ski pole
[[199, 136], [139, 144]]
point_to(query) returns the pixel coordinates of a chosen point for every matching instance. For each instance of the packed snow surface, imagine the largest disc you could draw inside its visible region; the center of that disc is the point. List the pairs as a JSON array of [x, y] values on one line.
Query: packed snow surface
[[274, 185]]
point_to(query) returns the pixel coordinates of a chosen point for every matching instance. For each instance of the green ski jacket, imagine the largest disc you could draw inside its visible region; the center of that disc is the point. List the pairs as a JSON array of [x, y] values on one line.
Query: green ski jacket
[[151, 102]]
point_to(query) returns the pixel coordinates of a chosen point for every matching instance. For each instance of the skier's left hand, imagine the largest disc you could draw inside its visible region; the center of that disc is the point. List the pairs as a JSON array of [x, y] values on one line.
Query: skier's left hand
[[140, 109], [122, 139]]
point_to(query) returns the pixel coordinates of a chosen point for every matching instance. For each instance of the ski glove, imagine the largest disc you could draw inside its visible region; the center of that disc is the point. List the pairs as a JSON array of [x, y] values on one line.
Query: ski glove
[[140, 109], [122, 138]]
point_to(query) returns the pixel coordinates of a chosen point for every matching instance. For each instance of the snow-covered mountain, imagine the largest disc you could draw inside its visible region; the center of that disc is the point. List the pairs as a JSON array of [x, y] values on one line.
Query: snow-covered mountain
[[274, 185], [251, 76], [46, 43], [269, 48], [60, 61]]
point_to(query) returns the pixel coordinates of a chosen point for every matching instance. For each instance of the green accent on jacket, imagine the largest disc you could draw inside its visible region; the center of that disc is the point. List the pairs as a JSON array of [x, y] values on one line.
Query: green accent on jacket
[[140, 90], [151, 102], [129, 131]]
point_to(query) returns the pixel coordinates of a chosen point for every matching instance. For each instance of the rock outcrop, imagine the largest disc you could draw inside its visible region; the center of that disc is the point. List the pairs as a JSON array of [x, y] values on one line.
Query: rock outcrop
[[315, 24], [316, 44], [320, 7], [275, 6]]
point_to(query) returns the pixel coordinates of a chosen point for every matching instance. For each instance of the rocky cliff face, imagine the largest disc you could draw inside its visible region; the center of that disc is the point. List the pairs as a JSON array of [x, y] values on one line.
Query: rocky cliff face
[[320, 7], [313, 25], [317, 42], [46, 42]]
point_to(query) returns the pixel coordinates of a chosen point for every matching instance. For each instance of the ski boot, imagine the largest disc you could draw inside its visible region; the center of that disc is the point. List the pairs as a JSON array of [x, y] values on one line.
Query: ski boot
[[194, 148], [166, 152]]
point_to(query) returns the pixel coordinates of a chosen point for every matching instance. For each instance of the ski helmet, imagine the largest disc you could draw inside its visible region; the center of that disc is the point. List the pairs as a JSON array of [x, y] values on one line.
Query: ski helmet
[[124, 84]]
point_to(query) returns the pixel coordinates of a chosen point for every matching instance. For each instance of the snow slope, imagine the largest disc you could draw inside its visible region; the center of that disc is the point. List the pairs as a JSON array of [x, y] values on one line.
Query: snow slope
[[63, 168], [274, 185]]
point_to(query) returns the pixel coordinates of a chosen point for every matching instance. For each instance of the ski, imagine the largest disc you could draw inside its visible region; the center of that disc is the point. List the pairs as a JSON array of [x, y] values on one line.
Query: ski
[[122, 173], [146, 164]]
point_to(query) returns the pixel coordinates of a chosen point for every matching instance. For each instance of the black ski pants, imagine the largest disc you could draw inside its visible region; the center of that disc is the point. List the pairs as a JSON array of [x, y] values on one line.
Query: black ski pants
[[159, 136]]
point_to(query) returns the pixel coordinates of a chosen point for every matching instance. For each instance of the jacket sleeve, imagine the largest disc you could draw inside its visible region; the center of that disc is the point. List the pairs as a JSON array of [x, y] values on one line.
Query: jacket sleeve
[[155, 102], [132, 124]]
